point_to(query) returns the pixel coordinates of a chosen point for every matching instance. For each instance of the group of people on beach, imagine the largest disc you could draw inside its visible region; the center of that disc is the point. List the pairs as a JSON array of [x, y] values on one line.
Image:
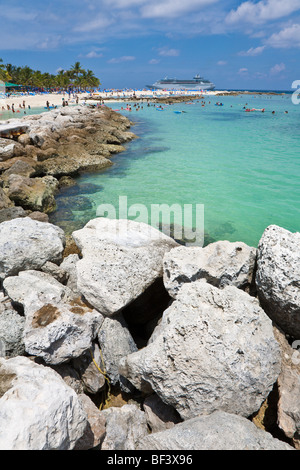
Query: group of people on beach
[[12, 107]]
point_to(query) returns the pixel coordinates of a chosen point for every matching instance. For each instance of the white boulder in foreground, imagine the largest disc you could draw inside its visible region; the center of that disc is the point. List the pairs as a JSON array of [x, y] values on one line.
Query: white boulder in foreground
[[28, 244], [121, 258], [218, 431], [38, 411], [213, 350], [221, 264], [278, 277]]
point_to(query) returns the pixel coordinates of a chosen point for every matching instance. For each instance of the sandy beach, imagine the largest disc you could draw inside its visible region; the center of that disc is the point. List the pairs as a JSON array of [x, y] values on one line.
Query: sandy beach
[[39, 100]]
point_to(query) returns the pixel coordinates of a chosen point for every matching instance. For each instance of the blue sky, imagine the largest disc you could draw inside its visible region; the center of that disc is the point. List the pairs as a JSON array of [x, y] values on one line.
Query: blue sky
[[132, 43]]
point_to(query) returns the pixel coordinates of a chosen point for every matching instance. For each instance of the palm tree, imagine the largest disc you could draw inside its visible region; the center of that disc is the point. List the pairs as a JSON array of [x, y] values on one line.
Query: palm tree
[[76, 70], [4, 76]]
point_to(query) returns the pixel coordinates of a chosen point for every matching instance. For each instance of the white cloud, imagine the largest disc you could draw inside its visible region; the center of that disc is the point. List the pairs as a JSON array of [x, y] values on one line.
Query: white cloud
[[118, 60], [173, 8], [167, 52], [263, 11], [94, 55], [99, 23], [243, 71], [286, 38], [278, 68], [222, 63], [252, 52], [154, 61]]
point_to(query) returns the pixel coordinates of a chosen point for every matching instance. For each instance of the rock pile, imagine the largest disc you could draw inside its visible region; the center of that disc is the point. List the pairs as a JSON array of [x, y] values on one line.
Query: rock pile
[[213, 355], [40, 150]]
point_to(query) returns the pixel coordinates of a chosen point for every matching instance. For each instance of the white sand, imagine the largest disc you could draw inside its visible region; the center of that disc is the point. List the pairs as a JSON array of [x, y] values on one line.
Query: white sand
[[39, 101]]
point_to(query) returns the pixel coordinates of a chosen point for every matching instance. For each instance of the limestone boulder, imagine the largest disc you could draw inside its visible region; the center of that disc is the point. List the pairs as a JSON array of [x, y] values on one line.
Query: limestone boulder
[[95, 430], [6, 149], [125, 427], [5, 201], [11, 330], [214, 350], [221, 264], [38, 411], [121, 259], [115, 342], [28, 244], [217, 431], [59, 331], [36, 194], [278, 278]]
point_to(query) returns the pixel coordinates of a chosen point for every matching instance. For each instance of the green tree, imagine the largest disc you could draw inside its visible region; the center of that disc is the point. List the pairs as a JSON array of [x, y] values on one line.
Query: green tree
[[4, 75]]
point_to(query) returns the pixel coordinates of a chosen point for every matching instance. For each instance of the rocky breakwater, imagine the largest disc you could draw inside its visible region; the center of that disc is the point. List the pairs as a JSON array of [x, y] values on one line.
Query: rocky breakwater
[[38, 151], [197, 341]]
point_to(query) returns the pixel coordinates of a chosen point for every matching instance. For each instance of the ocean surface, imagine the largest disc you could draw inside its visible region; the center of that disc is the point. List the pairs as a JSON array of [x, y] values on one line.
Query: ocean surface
[[243, 167]]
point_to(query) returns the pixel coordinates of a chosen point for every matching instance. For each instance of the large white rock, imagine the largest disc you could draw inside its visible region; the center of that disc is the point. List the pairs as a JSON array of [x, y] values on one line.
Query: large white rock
[[218, 431], [59, 331], [28, 244], [221, 264], [121, 258], [278, 277], [38, 411], [213, 350], [18, 288]]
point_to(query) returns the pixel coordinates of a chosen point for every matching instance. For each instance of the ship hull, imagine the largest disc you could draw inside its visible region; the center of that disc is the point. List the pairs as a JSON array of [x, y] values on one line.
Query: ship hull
[[175, 86]]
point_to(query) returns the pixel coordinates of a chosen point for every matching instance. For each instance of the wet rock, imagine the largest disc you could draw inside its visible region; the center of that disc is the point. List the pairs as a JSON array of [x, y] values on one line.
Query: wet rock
[[36, 194], [5, 201], [19, 168], [39, 216]]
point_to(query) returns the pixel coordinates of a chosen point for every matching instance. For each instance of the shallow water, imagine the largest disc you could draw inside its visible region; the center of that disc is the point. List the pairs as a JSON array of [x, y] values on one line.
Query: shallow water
[[244, 167]]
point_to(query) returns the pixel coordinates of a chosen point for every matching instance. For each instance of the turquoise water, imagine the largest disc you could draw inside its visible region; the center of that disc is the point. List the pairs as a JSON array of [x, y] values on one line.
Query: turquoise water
[[19, 113], [244, 167]]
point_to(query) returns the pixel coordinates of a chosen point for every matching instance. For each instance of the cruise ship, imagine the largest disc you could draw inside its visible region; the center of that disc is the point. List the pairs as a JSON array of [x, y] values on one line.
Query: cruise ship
[[197, 83]]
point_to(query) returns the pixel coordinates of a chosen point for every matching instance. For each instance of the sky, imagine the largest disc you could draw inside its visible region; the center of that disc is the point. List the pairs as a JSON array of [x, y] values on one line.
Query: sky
[[132, 43]]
